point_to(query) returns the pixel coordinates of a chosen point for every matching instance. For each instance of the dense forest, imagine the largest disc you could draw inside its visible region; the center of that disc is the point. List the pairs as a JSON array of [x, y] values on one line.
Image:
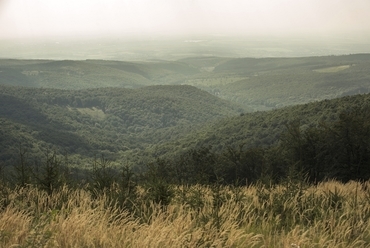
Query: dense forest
[[188, 135], [108, 120], [115, 109]]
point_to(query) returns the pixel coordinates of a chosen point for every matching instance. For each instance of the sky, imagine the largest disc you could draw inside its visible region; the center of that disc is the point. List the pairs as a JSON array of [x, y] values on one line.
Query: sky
[[20, 19]]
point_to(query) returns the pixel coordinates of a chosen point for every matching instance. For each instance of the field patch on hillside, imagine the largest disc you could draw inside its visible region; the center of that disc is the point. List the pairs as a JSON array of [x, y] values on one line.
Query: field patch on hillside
[[93, 112], [333, 69]]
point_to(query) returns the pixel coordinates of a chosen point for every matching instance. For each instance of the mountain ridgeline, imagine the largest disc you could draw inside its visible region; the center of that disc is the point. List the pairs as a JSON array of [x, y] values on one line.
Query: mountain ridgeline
[[69, 74], [268, 83], [255, 83]]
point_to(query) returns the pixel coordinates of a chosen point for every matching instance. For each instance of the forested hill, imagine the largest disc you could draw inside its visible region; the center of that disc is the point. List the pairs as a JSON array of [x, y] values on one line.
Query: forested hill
[[249, 66], [69, 74], [104, 120], [264, 128], [267, 83], [256, 83], [195, 131], [315, 141]]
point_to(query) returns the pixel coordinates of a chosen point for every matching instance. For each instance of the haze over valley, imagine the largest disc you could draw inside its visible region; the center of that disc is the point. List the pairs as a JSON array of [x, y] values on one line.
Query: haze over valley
[[184, 123]]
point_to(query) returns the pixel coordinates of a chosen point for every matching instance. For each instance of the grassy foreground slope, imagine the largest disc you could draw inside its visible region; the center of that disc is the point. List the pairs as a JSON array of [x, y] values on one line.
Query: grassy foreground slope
[[330, 214]]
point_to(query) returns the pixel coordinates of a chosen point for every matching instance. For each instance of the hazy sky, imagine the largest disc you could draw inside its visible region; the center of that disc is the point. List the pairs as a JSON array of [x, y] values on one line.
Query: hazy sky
[[43, 18]]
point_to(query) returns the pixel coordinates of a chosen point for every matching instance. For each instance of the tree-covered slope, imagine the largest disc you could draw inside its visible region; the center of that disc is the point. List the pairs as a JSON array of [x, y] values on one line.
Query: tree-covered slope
[[104, 120], [68, 74], [192, 129], [256, 83], [263, 128]]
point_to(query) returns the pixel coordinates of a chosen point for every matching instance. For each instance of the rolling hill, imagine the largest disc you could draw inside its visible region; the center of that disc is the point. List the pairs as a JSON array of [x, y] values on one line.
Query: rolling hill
[[104, 120], [256, 83], [267, 83], [68, 74], [167, 120], [262, 128]]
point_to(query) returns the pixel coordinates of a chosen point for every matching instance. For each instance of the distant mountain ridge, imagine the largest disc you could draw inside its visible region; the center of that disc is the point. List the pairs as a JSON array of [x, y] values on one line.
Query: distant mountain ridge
[[267, 83], [69, 74]]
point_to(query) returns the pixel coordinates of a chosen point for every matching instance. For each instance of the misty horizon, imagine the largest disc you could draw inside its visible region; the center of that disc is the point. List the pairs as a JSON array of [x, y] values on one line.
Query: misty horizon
[[148, 48], [145, 30], [42, 18]]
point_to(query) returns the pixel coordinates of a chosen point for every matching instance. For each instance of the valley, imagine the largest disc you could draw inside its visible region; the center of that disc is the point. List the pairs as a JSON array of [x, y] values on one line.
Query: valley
[[140, 111]]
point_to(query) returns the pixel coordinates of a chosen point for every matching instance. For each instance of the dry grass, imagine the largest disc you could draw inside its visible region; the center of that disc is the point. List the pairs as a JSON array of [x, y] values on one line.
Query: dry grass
[[330, 214]]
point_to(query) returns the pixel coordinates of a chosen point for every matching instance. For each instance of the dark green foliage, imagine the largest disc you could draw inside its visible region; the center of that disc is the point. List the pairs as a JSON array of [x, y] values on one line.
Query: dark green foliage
[[50, 174], [245, 165], [103, 175], [159, 170], [22, 174], [102, 121], [127, 180], [350, 138], [338, 150], [157, 179], [197, 166], [160, 192]]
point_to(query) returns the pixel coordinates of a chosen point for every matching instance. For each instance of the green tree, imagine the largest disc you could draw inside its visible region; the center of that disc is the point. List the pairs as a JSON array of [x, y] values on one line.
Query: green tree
[[103, 174], [49, 174], [22, 173]]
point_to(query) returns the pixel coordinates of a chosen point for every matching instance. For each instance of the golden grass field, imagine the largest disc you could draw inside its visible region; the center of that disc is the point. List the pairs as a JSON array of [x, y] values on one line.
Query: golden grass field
[[330, 214]]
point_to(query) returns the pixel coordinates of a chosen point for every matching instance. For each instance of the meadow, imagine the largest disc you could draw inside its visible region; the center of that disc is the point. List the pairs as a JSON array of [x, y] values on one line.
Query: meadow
[[290, 214]]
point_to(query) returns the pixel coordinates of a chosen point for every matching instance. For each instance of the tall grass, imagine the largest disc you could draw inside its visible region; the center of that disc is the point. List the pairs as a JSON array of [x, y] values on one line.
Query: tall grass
[[330, 214]]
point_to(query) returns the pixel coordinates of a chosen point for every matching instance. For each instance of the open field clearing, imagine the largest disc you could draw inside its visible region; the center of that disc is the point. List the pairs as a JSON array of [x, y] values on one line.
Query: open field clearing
[[333, 69], [93, 112]]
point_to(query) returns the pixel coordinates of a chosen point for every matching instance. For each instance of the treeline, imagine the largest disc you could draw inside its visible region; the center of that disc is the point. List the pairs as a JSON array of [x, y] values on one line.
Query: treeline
[[52, 171], [330, 150]]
